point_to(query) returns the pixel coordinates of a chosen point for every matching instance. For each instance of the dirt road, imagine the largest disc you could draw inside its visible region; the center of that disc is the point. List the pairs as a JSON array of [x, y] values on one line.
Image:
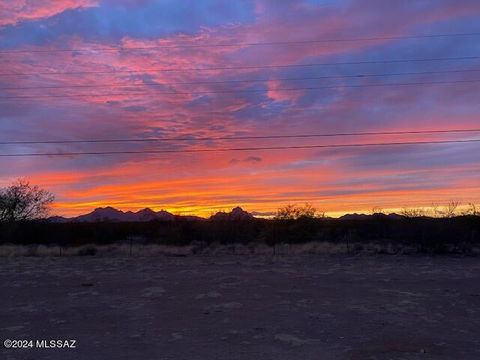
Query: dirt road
[[242, 307]]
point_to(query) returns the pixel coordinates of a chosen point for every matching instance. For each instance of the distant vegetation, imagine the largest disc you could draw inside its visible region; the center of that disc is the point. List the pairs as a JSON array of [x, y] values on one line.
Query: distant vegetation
[[423, 234], [23, 209], [449, 211], [294, 212]]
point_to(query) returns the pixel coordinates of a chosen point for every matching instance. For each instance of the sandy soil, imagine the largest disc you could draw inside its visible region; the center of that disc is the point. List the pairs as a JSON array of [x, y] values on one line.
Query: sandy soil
[[243, 307]]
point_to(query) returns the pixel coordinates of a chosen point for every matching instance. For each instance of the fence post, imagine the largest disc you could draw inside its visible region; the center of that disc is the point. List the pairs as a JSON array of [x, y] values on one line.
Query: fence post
[[347, 236]]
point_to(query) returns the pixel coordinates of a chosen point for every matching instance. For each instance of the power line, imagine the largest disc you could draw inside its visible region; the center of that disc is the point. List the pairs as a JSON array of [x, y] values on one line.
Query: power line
[[244, 148], [243, 67], [271, 43], [241, 81], [457, 82], [413, 132]]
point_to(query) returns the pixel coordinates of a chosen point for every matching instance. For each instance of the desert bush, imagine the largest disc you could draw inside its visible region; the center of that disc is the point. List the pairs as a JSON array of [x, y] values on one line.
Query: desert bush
[[87, 251], [293, 212]]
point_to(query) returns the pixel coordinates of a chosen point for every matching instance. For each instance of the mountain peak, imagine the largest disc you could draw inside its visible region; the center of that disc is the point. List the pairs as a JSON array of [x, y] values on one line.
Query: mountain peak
[[106, 209], [237, 213], [146, 211], [101, 214], [146, 214], [109, 213]]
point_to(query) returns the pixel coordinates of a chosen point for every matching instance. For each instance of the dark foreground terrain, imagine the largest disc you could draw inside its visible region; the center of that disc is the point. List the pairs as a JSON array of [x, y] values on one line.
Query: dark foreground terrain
[[243, 307]]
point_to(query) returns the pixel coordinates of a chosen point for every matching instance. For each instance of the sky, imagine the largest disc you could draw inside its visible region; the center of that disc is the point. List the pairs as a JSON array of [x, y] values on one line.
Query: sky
[[76, 70]]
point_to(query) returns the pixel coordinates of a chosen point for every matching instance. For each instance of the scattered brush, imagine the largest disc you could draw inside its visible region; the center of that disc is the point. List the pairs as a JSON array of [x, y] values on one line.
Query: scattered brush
[[216, 249]]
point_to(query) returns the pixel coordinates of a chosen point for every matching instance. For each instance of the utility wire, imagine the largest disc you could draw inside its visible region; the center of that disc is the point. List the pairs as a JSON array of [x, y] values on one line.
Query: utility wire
[[270, 43], [239, 81], [417, 132], [457, 82], [243, 67], [243, 148]]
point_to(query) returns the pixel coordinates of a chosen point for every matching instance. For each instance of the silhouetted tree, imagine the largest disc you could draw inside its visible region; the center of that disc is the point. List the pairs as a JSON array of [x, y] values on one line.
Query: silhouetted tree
[[448, 211], [414, 212], [22, 201], [377, 210], [292, 212], [472, 210]]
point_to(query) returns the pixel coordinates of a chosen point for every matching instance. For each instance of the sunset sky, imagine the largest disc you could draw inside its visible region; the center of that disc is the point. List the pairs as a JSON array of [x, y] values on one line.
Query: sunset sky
[[143, 69]]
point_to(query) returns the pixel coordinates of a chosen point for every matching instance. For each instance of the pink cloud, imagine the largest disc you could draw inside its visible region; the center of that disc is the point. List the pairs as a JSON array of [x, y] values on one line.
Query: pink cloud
[[276, 93], [14, 11]]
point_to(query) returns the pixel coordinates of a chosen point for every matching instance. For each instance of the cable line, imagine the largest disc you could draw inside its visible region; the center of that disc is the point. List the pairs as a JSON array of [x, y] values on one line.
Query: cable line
[[457, 82], [243, 148], [240, 81], [247, 67], [260, 137], [270, 43]]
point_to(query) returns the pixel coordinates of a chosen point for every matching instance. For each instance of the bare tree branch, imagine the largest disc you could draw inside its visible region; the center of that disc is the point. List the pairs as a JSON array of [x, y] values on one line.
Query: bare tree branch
[[22, 201]]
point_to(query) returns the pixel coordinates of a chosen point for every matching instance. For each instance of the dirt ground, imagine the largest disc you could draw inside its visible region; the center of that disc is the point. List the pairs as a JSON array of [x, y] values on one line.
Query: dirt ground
[[243, 307]]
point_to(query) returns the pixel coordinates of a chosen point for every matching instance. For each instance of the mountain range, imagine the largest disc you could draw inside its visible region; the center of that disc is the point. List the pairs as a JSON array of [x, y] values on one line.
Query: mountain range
[[114, 215], [111, 214]]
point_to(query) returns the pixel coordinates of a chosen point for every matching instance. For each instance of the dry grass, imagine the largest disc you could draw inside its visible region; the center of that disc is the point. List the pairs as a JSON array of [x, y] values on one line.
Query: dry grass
[[320, 248], [215, 249], [94, 250]]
